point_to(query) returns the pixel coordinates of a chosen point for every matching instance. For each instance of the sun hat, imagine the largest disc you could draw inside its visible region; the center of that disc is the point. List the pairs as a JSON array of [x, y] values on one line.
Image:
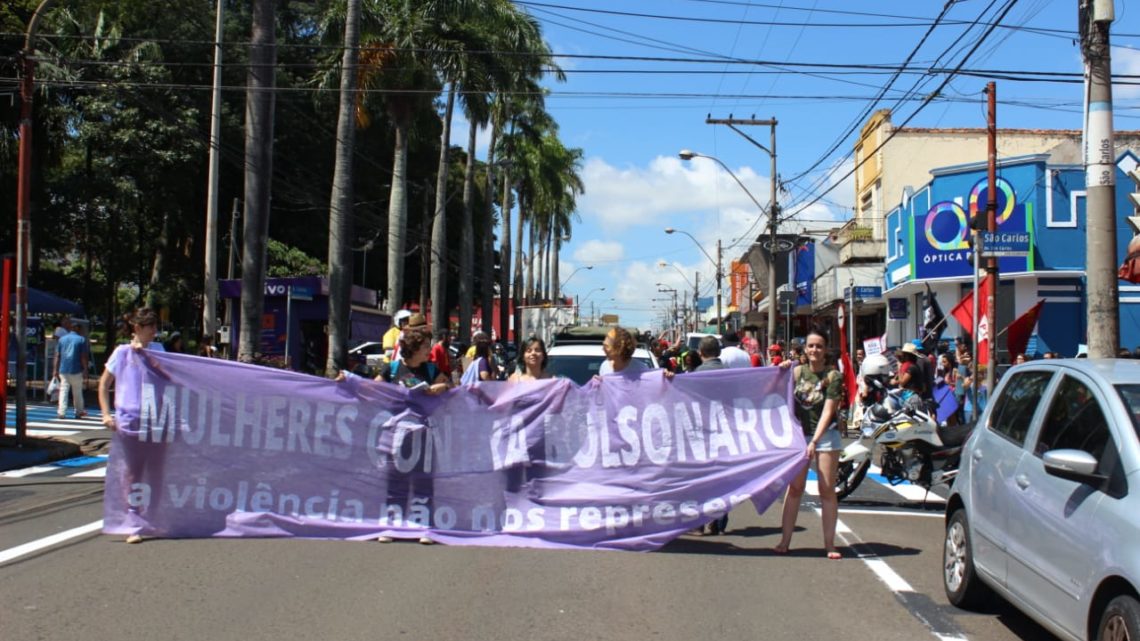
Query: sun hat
[[909, 348]]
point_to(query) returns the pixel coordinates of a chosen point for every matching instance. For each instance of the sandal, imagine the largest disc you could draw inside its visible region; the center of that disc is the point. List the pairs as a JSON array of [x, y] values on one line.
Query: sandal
[[834, 555], [781, 548]]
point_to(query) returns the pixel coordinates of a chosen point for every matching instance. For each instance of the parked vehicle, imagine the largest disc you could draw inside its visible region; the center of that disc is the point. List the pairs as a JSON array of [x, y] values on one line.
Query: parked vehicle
[[1046, 508], [366, 358], [580, 362], [912, 447]]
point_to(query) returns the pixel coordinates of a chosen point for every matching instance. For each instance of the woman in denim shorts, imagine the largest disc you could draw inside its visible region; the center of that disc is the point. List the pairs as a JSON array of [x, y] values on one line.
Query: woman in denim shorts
[[818, 388]]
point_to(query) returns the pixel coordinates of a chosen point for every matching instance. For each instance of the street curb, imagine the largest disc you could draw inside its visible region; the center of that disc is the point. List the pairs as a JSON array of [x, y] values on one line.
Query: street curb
[[16, 454]]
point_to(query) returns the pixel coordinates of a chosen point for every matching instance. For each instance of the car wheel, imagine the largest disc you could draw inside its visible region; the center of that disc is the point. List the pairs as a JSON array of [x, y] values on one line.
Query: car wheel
[[1120, 621], [964, 588]]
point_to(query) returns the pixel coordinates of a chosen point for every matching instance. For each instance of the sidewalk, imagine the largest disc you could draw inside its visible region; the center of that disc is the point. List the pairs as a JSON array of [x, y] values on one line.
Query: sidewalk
[[51, 438]]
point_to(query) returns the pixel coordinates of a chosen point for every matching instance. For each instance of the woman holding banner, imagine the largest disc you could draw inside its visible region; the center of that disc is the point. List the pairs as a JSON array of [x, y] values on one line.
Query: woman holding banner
[[534, 362], [818, 388], [144, 460]]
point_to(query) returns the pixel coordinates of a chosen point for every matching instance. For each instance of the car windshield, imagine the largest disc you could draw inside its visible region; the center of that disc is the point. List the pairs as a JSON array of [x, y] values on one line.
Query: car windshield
[[1131, 396], [580, 369]]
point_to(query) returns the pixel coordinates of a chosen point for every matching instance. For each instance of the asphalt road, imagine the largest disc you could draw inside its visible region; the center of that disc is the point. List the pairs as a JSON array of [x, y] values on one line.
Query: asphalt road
[[92, 587]]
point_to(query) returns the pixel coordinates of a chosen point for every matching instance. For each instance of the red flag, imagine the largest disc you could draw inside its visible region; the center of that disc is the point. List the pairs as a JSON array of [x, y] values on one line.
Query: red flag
[[963, 312], [850, 383], [1019, 330]]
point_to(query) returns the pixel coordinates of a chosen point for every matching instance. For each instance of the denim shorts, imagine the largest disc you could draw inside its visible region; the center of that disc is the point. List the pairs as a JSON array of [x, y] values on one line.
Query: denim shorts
[[831, 441]]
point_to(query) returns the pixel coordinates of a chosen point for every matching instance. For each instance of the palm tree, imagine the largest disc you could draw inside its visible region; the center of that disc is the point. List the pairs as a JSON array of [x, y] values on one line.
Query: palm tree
[[258, 173], [484, 48], [550, 189], [340, 206], [524, 116]]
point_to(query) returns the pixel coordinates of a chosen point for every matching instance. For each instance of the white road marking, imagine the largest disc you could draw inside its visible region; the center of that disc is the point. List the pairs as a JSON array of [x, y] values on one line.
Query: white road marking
[[885, 573], [28, 471], [55, 539], [98, 472]]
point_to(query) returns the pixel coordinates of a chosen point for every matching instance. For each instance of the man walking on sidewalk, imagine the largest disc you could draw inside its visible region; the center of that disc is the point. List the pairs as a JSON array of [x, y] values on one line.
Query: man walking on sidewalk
[[71, 367]]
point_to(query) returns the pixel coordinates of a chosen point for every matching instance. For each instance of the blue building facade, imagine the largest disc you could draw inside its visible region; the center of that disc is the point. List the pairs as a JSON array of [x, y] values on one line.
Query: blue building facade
[[928, 236]]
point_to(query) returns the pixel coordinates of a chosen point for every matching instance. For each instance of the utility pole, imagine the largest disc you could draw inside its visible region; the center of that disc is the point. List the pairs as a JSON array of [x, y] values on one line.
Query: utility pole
[[696, 306], [210, 302], [719, 279], [24, 217], [773, 207], [1095, 17], [991, 225]]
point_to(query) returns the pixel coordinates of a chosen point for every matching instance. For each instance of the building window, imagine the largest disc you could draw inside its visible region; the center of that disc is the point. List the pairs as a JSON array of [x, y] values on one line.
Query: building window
[[1076, 204]]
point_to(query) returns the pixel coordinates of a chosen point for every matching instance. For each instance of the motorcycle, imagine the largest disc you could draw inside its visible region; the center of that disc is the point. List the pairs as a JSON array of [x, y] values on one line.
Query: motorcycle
[[913, 447]]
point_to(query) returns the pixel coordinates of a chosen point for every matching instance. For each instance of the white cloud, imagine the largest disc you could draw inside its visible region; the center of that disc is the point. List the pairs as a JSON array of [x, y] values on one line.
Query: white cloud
[[1126, 62], [599, 251], [619, 198], [460, 129]]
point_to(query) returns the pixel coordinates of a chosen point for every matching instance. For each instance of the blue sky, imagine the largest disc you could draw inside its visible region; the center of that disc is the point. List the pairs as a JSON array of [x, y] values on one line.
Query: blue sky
[[632, 116]]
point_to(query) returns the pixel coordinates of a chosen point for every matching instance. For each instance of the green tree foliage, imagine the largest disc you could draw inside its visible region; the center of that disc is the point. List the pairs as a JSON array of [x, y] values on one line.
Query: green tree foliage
[[121, 137]]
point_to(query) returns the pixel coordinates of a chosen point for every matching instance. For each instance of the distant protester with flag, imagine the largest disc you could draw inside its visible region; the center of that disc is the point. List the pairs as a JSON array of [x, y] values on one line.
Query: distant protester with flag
[[933, 320]]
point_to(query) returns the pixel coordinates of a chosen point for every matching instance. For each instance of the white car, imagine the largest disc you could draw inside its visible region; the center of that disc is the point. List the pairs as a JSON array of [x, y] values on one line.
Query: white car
[[368, 355], [581, 362]]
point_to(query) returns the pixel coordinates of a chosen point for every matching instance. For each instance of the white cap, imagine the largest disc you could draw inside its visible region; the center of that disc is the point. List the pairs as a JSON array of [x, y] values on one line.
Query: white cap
[[402, 314]]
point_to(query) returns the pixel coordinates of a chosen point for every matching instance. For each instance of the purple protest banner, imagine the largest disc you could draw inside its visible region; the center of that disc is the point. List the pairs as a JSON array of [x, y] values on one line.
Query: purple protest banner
[[222, 449]]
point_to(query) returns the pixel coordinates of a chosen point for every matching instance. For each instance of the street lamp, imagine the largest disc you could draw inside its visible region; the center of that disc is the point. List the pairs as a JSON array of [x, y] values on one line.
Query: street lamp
[[719, 272], [578, 302], [560, 287], [771, 211]]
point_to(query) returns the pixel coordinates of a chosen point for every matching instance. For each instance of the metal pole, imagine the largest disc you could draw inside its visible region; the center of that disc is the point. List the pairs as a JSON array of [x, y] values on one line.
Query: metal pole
[[1100, 182], [5, 301], [24, 219], [696, 308], [773, 220], [288, 323], [210, 302], [235, 216], [974, 331], [719, 278], [991, 225], [851, 322]]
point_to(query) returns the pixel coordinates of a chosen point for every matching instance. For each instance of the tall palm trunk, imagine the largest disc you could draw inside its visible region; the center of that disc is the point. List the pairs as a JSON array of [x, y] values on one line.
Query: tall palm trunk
[[398, 217], [439, 315], [259, 104], [340, 204], [488, 289], [540, 280], [505, 259], [530, 263], [518, 289], [555, 284], [467, 242]]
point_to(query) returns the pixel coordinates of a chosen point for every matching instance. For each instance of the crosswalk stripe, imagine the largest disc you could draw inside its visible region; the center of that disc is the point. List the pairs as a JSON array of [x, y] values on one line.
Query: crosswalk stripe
[[98, 472], [28, 471]]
